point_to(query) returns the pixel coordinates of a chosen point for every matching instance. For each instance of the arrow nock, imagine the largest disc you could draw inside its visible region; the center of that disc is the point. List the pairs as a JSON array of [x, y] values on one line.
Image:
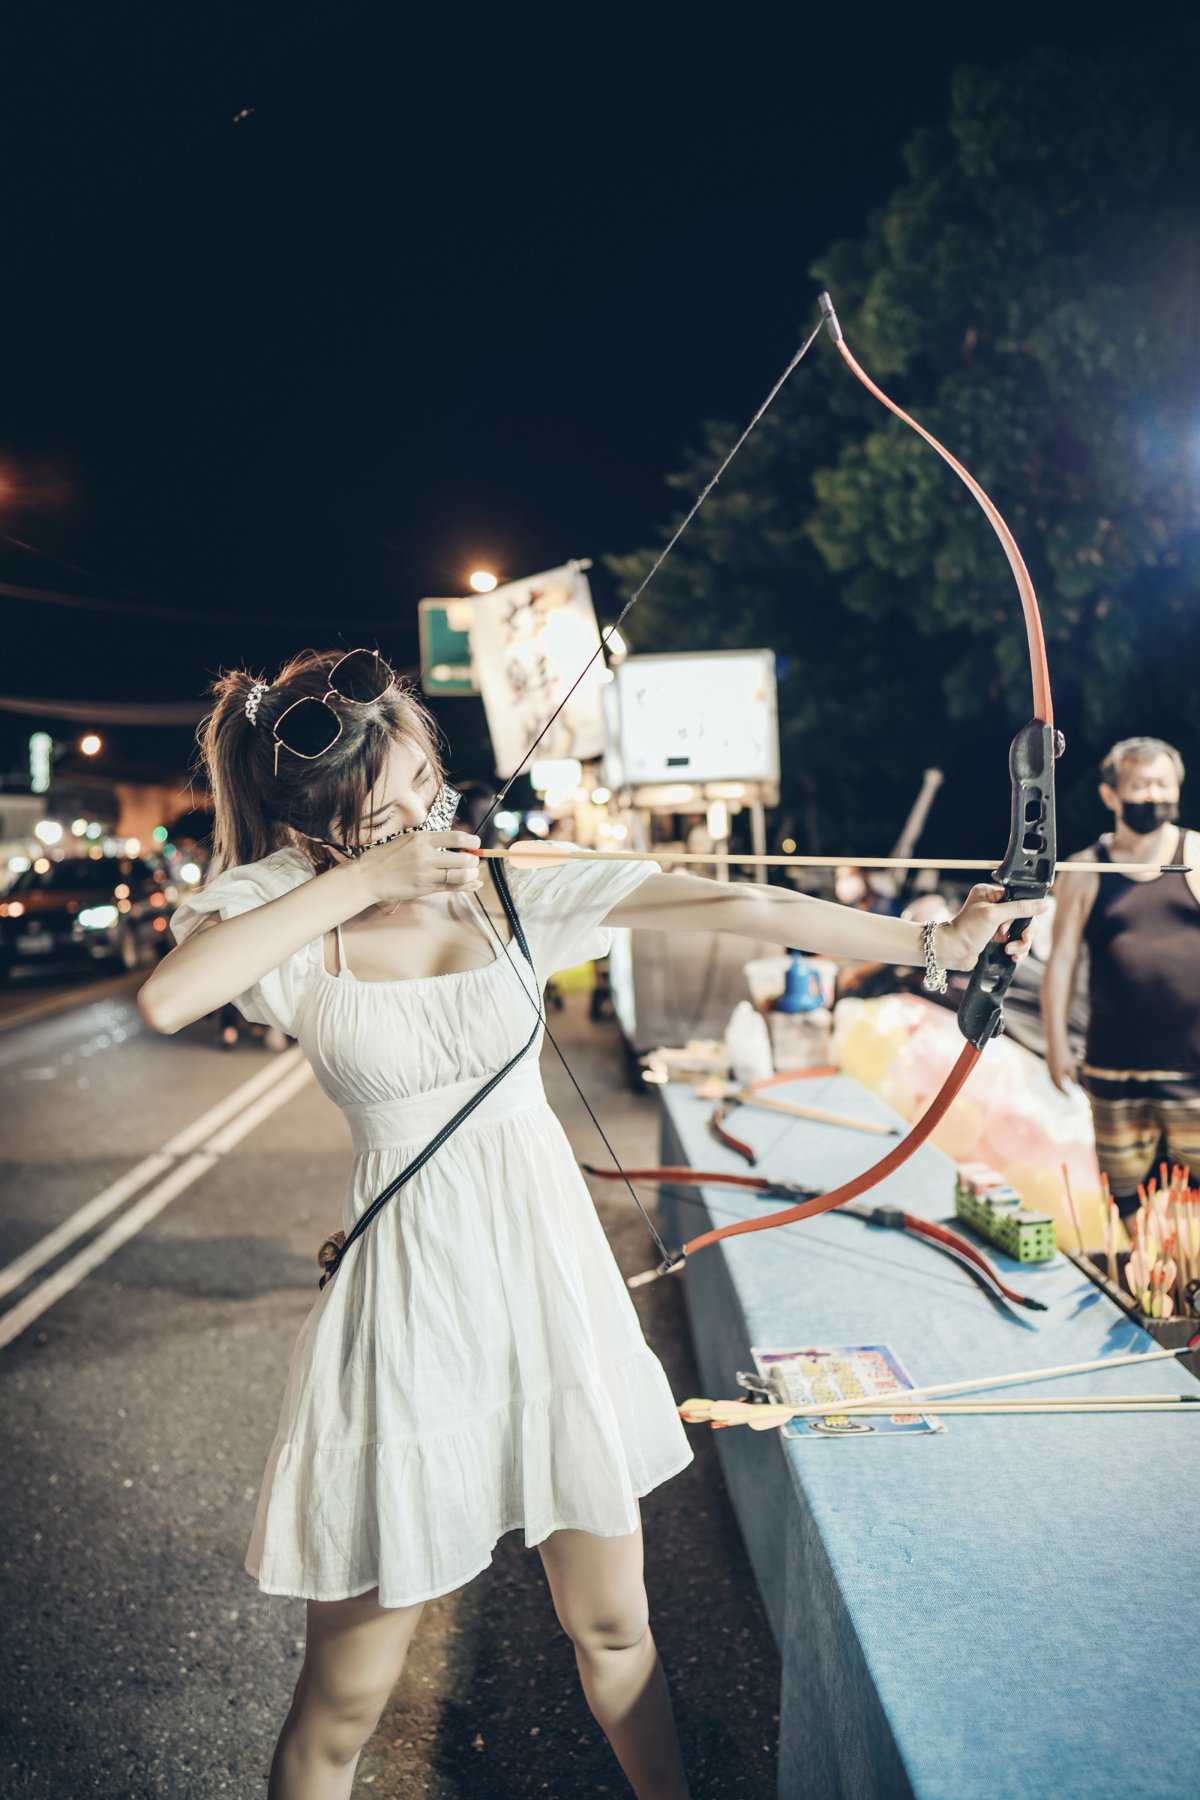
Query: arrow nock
[[674, 1261]]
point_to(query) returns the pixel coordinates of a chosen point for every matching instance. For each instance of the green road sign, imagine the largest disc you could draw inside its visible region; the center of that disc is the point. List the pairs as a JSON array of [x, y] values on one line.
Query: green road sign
[[446, 666]]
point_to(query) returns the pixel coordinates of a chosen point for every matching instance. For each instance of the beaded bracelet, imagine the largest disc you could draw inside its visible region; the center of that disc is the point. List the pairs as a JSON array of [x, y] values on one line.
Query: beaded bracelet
[[935, 975]]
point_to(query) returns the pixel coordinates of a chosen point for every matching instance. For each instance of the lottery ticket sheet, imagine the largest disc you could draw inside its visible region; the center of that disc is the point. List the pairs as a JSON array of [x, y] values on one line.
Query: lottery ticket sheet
[[810, 1376]]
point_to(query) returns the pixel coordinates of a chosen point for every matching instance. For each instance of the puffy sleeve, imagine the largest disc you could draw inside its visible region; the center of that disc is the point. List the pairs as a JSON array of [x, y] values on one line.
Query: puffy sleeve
[[276, 998], [561, 907]]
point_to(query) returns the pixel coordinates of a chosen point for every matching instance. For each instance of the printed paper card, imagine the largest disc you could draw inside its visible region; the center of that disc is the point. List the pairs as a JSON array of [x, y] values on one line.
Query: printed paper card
[[811, 1376]]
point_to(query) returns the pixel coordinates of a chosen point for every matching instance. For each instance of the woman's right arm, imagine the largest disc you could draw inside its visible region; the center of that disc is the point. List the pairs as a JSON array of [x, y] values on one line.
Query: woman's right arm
[[224, 957]]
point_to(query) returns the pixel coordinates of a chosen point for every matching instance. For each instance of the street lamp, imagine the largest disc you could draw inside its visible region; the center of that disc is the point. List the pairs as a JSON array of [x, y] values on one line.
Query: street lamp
[[483, 581], [90, 744]]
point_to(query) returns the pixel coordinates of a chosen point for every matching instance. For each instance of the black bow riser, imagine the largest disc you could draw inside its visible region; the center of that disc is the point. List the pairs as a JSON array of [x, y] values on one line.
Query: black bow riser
[[1026, 872]]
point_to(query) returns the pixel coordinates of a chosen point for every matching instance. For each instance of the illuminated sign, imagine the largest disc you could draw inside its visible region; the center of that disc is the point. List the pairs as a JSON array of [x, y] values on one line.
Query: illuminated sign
[[40, 746], [445, 631]]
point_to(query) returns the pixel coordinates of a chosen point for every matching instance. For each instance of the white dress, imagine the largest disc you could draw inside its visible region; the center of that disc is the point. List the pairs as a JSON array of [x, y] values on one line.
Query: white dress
[[476, 1364]]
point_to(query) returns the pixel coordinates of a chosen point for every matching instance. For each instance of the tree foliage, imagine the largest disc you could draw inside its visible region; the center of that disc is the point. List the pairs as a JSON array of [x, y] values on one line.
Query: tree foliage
[[1031, 293]]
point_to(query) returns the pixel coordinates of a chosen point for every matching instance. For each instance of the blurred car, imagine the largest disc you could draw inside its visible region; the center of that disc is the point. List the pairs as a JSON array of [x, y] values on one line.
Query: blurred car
[[106, 912]]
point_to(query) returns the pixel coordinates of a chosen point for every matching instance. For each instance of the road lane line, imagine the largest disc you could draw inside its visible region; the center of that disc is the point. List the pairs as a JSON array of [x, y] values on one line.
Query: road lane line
[[196, 1133], [149, 1169], [233, 1133], [48, 1006], [149, 1207]]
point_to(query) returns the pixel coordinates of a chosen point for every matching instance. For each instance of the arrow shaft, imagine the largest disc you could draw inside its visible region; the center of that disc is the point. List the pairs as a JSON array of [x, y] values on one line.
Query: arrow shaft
[[823, 1117], [979, 1384], [531, 857]]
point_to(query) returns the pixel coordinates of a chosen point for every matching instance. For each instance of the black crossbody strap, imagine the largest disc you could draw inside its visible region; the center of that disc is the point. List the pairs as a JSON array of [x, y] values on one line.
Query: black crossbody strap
[[452, 1125]]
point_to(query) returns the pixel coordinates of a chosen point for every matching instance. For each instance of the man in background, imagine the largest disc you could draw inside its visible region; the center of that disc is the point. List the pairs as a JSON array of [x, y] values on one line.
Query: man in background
[[1141, 1066]]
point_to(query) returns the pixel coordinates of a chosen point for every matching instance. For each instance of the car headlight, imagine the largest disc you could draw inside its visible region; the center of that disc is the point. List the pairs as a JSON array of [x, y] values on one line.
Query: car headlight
[[98, 918]]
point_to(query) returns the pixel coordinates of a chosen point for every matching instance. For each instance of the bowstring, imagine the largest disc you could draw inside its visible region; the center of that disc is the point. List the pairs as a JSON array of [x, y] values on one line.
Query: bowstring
[[505, 947], [659, 560], [499, 798]]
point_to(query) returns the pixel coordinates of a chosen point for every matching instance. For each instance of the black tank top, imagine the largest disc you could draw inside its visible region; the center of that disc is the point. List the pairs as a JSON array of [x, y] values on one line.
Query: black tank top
[[1143, 940]]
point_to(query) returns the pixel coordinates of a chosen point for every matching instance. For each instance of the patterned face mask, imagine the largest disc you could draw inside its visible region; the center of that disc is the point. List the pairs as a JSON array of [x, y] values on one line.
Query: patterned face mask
[[440, 817]]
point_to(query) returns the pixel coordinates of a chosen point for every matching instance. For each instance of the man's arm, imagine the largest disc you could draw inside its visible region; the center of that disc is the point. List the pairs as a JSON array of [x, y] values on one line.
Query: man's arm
[[1074, 902]]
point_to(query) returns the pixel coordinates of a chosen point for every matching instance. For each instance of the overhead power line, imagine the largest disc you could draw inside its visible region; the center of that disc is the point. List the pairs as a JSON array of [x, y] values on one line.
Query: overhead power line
[[109, 712], [287, 621]]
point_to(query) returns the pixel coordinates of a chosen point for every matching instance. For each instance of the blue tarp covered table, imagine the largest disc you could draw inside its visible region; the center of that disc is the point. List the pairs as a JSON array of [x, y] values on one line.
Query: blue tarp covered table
[[1008, 1608]]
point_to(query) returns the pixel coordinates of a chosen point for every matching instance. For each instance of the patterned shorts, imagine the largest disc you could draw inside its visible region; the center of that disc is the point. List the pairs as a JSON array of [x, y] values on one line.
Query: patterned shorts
[[1140, 1118]]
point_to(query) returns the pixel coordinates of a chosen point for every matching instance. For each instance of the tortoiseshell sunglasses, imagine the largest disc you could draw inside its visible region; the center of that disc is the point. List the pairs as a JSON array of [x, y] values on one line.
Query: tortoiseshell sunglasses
[[309, 727]]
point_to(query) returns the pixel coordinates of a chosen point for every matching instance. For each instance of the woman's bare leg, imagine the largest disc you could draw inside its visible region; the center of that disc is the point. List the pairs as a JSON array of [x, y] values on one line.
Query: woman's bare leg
[[354, 1652], [600, 1599]]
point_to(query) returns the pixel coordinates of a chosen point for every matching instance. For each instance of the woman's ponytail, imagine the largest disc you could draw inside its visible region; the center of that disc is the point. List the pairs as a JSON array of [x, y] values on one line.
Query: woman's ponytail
[[263, 802], [231, 746]]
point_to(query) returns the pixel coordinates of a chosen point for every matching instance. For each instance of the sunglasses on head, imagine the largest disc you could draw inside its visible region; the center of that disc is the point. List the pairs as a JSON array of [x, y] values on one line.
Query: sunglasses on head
[[309, 727]]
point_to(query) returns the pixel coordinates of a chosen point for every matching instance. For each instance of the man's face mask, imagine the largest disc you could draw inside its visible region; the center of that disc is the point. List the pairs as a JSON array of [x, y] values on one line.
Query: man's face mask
[[1145, 816], [439, 818]]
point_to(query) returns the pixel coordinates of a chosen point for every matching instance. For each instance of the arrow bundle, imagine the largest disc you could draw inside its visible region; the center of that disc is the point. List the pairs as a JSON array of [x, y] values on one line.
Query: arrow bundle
[[1164, 1235]]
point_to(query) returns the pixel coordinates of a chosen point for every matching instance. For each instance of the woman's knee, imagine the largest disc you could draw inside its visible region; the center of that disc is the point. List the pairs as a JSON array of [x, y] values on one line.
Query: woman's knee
[[356, 1699], [335, 1727], [615, 1621], [615, 1631], [353, 1657], [598, 1588]]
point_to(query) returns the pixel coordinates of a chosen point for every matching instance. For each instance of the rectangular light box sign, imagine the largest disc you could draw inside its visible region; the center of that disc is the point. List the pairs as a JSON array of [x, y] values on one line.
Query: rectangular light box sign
[[710, 715]]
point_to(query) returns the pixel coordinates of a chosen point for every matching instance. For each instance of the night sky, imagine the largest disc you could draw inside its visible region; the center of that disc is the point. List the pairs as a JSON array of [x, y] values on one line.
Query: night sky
[[450, 293]]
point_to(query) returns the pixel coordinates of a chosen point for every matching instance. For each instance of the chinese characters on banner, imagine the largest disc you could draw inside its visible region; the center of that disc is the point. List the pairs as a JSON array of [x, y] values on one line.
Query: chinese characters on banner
[[529, 641]]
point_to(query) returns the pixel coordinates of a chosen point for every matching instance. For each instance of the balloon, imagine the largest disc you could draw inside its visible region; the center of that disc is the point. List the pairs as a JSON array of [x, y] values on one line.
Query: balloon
[[1011, 1115], [1013, 1136], [861, 1048], [957, 1136], [897, 1093], [1040, 1186]]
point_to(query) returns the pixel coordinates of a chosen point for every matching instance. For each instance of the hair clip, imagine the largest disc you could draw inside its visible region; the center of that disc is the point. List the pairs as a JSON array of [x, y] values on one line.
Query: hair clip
[[252, 699]]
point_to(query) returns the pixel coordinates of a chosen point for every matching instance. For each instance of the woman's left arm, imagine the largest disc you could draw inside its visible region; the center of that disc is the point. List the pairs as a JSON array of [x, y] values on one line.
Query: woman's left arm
[[775, 915]]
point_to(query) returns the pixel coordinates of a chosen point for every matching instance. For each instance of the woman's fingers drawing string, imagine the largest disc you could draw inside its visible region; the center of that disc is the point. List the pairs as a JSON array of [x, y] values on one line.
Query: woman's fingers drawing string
[[426, 862]]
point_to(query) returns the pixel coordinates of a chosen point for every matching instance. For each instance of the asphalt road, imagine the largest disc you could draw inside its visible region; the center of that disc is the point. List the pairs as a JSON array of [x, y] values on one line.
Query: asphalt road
[[142, 1366]]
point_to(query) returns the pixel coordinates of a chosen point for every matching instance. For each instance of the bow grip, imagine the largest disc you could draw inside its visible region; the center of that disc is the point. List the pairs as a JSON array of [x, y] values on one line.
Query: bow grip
[[1025, 872]]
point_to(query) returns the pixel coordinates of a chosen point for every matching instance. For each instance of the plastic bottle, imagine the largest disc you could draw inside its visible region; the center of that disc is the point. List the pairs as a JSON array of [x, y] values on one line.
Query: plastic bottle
[[800, 1024], [749, 1043]]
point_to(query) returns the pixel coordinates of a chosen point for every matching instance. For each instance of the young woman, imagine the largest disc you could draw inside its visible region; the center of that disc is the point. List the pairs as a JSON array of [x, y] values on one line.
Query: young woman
[[475, 1363]]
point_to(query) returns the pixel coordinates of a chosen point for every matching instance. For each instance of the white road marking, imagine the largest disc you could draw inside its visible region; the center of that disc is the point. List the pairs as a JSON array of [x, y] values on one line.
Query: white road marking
[[150, 1167], [229, 1122], [47, 1006]]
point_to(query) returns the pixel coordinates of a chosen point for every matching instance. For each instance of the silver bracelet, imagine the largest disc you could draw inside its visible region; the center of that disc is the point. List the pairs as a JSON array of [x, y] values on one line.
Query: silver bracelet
[[935, 975]]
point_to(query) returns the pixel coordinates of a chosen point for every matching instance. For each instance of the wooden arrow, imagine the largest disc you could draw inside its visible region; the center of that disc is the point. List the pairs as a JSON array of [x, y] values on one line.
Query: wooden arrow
[[550, 855]]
